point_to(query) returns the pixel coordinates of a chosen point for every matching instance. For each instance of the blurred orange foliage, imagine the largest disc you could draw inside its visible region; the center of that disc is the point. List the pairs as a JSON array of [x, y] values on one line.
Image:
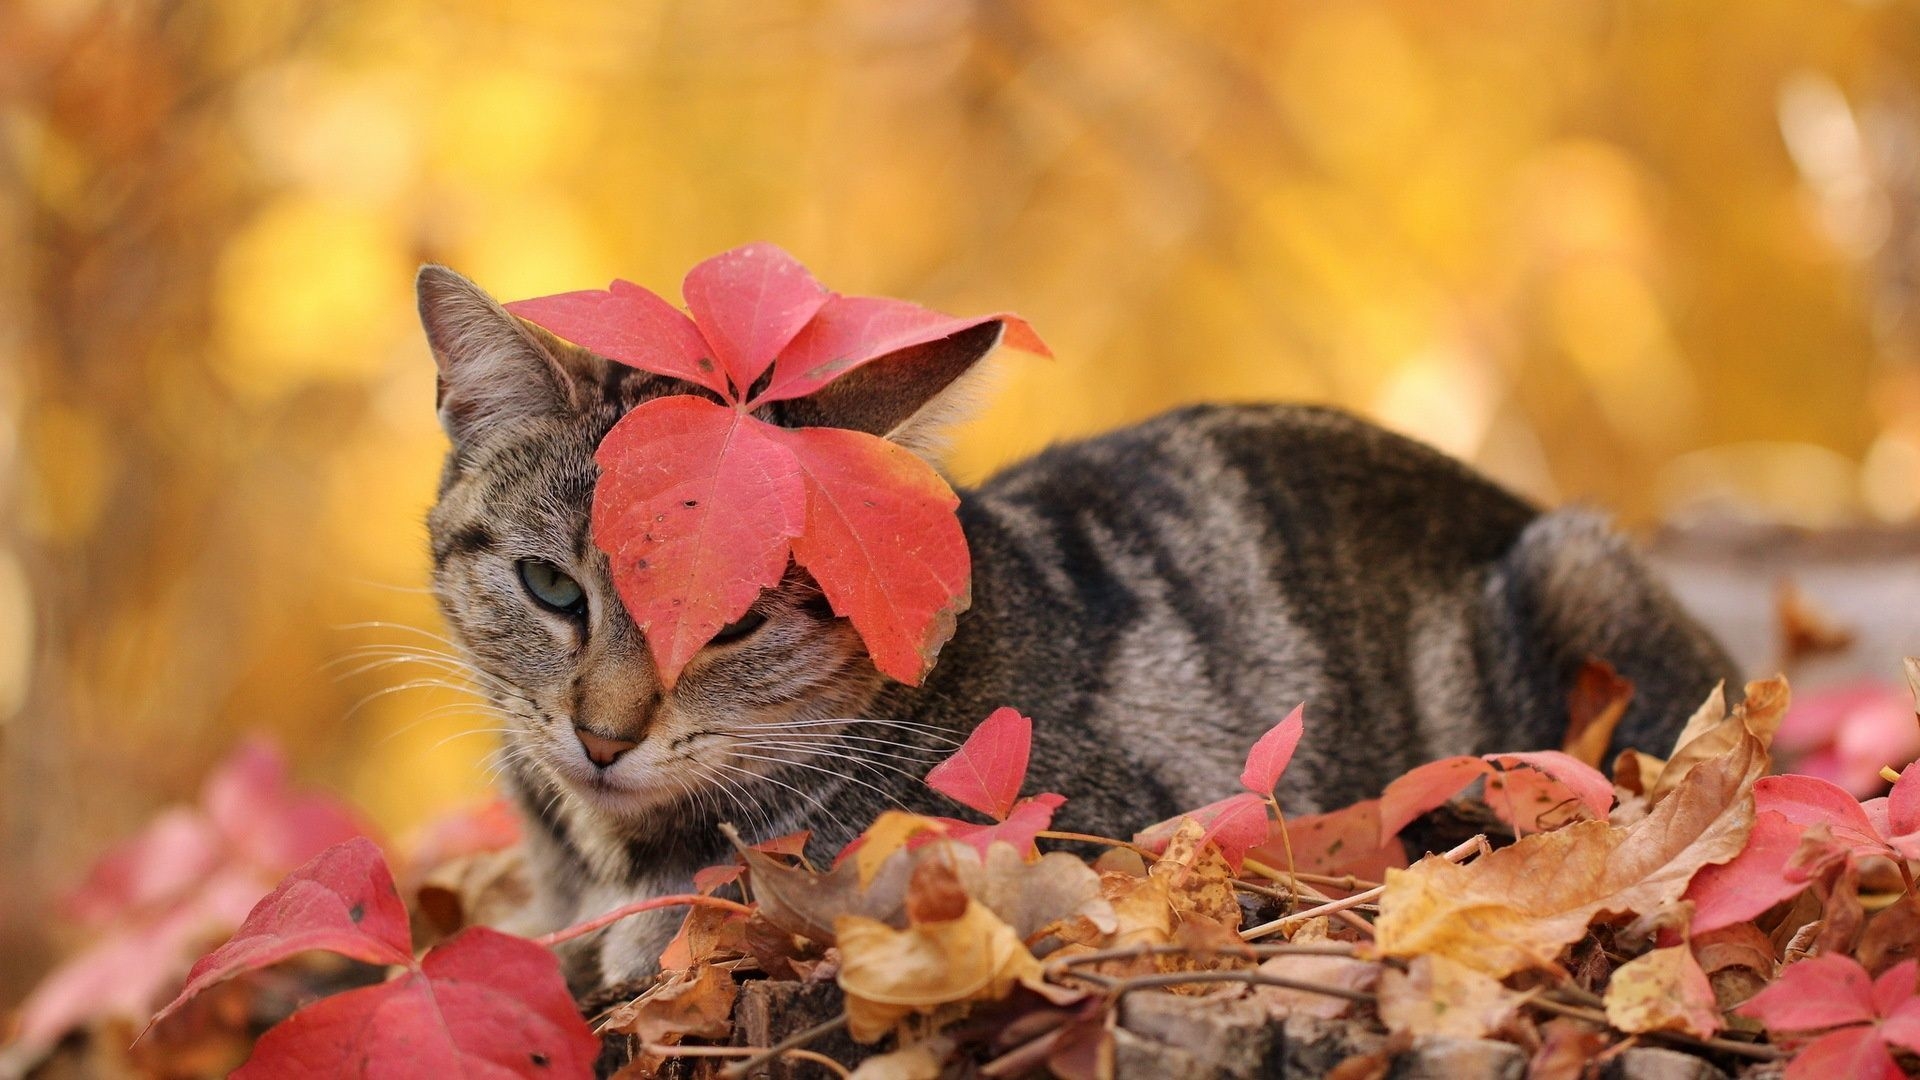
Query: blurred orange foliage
[[1645, 254]]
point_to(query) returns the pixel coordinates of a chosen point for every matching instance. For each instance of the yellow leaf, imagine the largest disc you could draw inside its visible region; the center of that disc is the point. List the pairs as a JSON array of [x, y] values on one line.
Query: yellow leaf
[[1665, 990], [888, 834], [1436, 996], [889, 974], [1519, 906]]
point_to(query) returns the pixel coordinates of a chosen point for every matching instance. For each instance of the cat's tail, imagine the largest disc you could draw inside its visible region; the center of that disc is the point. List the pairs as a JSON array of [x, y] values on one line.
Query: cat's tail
[[1573, 589]]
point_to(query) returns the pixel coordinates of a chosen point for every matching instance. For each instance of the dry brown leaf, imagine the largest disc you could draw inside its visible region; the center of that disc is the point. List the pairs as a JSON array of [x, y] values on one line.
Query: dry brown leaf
[[488, 888], [924, 1060], [1341, 971], [1713, 731], [1596, 703], [1805, 630], [1519, 906], [1891, 935], [1567, 1047], [696, 1003], [1436, 996], [1197, 877], [889, 974], [1665, 990], [1738, 960], [1055, 893], [888, 834]]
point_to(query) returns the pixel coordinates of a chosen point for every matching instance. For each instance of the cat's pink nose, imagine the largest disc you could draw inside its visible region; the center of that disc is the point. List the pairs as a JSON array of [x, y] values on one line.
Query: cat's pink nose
[[600, 750]]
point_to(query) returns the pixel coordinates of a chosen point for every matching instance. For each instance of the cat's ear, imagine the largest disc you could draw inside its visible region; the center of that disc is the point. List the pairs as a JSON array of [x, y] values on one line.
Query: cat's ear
[[493, 368], [909, 397]]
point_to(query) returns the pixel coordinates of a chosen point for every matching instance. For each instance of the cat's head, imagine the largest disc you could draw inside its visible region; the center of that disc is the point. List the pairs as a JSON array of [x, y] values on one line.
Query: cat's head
[[529, 597]]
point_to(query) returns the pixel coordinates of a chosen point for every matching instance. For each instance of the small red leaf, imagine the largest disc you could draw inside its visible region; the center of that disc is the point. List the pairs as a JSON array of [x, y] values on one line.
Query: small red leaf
[[1895, 988], [1236, 824], [1027, 819], [1269, 758], [1805, 800], [1581, 780], [852, 330], [1425, 787], [696, 507], [484, 1004], [985, 774], [342, 901], [1755, 880], [882, 540], [249, 798], [1821, 992], [793, 843], [630, 324], [749, 303], [1344, 841]]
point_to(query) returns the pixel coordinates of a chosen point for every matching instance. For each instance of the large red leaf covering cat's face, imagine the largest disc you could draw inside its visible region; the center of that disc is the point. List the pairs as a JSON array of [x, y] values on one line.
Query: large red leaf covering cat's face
[[700, 503]]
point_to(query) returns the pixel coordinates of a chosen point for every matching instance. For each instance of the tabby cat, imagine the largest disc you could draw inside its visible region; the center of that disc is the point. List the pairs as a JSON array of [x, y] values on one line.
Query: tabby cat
[[1155, 598]]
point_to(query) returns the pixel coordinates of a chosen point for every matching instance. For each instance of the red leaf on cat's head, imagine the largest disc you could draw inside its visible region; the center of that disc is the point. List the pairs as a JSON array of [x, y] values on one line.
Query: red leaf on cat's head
[[696, 509], [988, 769], [482, 1004], [343, 901], [850, 331], [630, 324], [1272, 753], [749, 303], [688, 486], [882, 541]]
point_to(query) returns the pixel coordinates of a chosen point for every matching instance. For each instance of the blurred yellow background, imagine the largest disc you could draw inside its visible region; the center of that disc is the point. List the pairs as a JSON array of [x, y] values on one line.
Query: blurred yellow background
[[1660, 256]]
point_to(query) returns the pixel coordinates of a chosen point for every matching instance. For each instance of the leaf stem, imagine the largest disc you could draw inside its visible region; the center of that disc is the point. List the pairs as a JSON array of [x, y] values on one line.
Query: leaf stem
[[1089, 838], [1477, 845], [1751, 1051], [664, 1050], [790, 1043], [635, 908]]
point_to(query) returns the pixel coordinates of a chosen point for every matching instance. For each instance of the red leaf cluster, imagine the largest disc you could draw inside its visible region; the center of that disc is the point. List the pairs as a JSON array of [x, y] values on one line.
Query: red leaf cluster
[[700, 503]]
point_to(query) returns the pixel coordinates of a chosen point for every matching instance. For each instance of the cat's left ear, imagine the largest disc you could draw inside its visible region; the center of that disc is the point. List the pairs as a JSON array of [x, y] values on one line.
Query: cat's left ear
[[909, 397], [493, 368]]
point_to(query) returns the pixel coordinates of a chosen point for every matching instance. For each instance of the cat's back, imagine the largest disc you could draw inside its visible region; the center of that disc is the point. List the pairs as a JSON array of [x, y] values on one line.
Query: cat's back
[[1167, 591]]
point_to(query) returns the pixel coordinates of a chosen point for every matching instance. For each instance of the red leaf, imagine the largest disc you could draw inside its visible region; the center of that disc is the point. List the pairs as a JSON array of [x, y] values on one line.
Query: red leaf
[[342, 901], [1805, 800], [1422, 788], [749, 303], [1272, 753], [630, 324], [985, 774], [1821, 992], [249, 799], [484, 1004], [1581, 780], [882, 540], [852, 330], [1019, 828], [1344, 841], [695, 508], [793, 843], [1856, 1053], [708, 878], [1894, 989], [1236, 824], [1756, 879]]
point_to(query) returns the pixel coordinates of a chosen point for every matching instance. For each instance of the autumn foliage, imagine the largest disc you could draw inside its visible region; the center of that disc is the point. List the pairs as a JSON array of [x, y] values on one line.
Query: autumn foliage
[[1689, 901]]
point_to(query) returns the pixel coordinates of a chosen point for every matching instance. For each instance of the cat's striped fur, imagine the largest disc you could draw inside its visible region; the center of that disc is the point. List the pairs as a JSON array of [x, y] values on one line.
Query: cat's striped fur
[[1155, 599]]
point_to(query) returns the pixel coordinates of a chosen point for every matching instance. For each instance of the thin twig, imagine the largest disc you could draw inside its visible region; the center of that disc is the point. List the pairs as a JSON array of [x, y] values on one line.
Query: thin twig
[[1477, 845], [1133, 952], [1119, 987], [1751, 1051], [1274, 873], [635, 908], [664, 1050], [791, 1042], [1089, 838]]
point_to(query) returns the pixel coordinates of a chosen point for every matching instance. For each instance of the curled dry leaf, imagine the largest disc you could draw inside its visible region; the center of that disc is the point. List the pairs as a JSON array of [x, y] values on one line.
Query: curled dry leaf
[[1436, 996], [1712, 731], [1664, 990], [1501, 914], [1596, 703], [1197, 877], [889, 974], [695, 1003]]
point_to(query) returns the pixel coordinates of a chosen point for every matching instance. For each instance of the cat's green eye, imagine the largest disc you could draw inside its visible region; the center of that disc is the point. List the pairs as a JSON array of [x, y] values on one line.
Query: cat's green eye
[[551, 586]]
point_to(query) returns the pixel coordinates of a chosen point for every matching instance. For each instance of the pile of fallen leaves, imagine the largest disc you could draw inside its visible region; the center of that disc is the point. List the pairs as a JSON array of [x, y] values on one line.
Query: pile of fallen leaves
[[1691, 902]]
